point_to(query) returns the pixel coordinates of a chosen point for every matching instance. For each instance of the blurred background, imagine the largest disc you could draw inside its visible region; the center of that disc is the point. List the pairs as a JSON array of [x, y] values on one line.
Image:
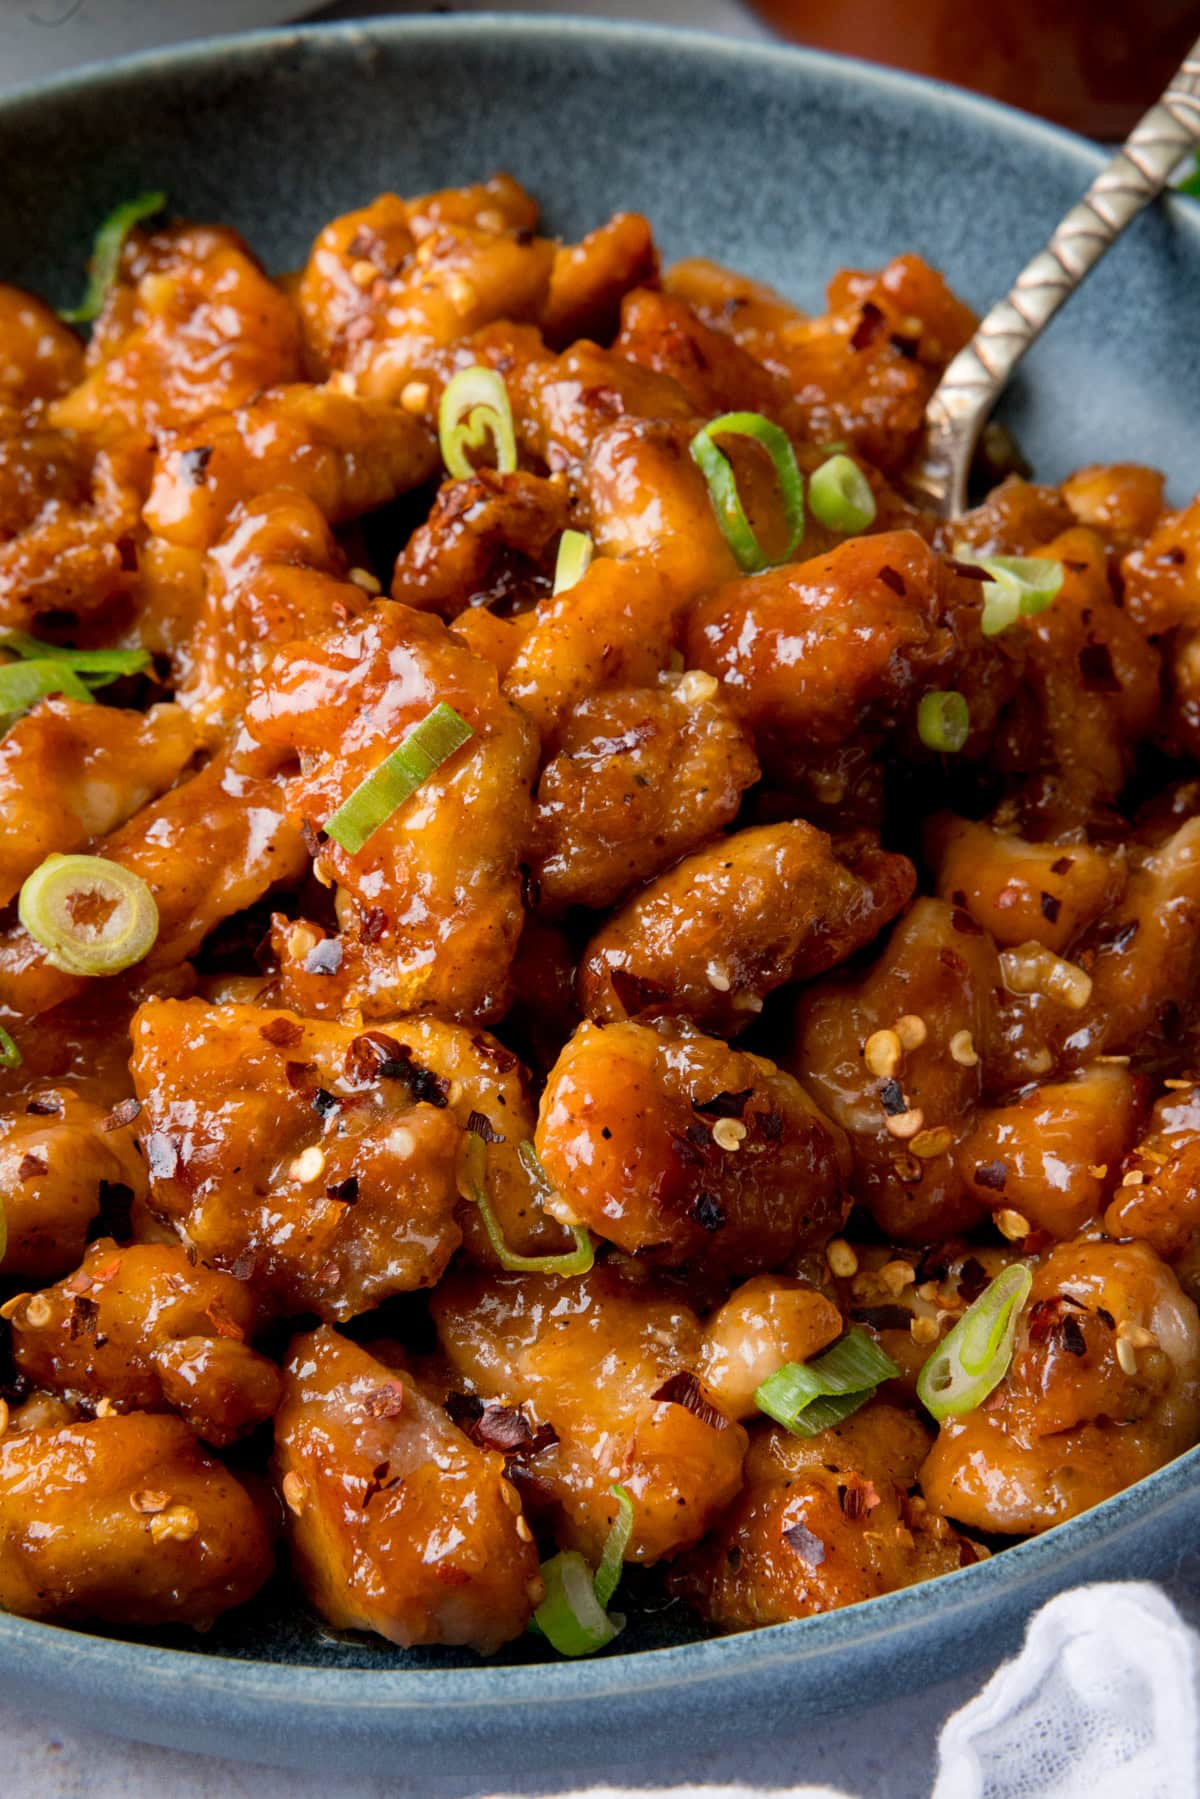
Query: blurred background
[[1091, 64]]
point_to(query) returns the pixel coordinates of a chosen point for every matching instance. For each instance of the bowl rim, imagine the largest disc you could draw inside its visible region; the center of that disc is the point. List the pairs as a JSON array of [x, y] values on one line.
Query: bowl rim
[[92, 1664]]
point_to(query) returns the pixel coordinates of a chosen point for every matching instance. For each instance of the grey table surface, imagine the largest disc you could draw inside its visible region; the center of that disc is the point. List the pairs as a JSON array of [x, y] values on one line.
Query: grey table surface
[[895, 1757]]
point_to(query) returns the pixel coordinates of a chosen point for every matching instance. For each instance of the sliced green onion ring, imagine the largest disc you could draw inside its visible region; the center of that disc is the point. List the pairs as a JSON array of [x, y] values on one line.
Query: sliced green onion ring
[[106, 254], [1191, 183], [94, 667], [397, 778], [10, 1055], [575, 1261], [840, 497], [715, 466], [808, 1397], [474, 407], [90, 915], [973, 1358], [573, 1617], [943, 721], [23, 684], [574, 559], [1020, 587]]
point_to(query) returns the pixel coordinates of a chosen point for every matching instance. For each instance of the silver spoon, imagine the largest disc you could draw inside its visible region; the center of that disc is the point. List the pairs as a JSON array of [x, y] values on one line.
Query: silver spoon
[[970, 387]]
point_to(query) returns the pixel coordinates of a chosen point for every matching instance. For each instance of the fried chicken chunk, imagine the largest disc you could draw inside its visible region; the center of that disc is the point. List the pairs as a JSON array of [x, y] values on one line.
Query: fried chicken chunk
[[734, 921], [821, 1522], [682, 1150], [609, 1362], [125, 1520], [296, 1153], [398, 1523], [64, 1161], [148, 1328]]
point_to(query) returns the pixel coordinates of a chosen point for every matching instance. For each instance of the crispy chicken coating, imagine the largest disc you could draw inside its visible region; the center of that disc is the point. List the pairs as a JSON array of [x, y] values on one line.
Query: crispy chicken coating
[[65, 1163]]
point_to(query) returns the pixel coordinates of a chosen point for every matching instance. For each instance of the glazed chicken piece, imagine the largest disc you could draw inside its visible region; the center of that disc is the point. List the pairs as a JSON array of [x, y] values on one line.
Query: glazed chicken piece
[[125, 1520], [275, 576], [1021, 891], [66, 1164], [821, 1522], [644, 497], [816, 653], [734, 921], [769, 1320], [42, 356], [430, 907], [609, 1362], [642, 776], [397, 1522], [491, 540], [346, 454], [1121, 502], [72, 772], [316, 1161], [1015, 519], [192, 326], [1104, 1387], [863, 372], [1162, 596], [894, 1057], [684, 1151], [1158, 1198], [387, 288], [149, 1329], [589, 280], [209, 848]]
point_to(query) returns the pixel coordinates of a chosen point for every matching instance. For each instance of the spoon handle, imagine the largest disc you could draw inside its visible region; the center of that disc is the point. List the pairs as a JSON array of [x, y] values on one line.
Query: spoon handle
[[1137, 173]]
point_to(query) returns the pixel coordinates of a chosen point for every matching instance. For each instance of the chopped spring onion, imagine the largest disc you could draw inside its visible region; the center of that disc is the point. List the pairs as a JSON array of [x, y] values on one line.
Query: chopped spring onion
[[23, 684], [974, 1357], [1020, 586], [106, 254], [840, 497], [808, 1397], [90, 915], [10, 1055], [575, 1261], [473, 408], [574, 559], [397, 778], [723, 488], [1191, 183], [573, 1617], [943, 721], [94, 667]]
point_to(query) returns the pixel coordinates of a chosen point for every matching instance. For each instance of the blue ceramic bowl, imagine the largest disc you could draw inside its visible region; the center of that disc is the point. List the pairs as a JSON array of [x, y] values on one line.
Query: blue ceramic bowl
[[786, 165]]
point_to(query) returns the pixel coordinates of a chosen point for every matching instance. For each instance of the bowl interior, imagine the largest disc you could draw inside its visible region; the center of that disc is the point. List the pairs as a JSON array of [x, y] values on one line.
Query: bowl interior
[[783, 164]]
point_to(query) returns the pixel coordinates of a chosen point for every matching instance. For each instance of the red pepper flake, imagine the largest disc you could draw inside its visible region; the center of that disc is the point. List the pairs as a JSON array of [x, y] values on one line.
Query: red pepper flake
[[46, 1105], [377, 1057], [122, 1114], [379, 1483], [1063, 866], [972, 1279], [85, 1314], [1073, 1339], [325, 1103], [684, 1389], [1106, 1317], [372, 923], [966, 571], [882, 1318], [857, 1497], [1096, 669], [479, 1125], [222, 1323], [962, 922], [1051, 908], [708, 1212], [991, 1174], [891, 1098], [891, 577], [314, 837], [807, 1545], [502, 1060], [868, 326], [636, 994], [298, 1074], [281, 1032], [31, 1165], [770, 1125], [386, 1401], [324, 957], [723, 1104], [344, 1191], [242, 1268], [193, 463]]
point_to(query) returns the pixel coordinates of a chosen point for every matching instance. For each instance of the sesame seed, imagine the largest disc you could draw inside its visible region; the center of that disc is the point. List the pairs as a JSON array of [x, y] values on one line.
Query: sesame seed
[[38, 1312], [535, 1592], [343, 382], [923, 1330], [461, 293], [897, 1275], [718, 978], [179, 1525], [147, 1499], [928, 1291], [402, 1143], [747, 1002], [308, 1166], [1115, 1061], [841, 1258], [912, 1030], [1134, 1178], [695, 686], [363, 273], [1011, 1224], [362, 577], [490, 220], [905, 1124], [729, 1133], [414, 396], [1040, 1062], [1126, 1355], [882, 1053], [295, 1492], [933, 1142], [1097, 1170], [510, 1496], [105, 1407], [12, 1305], [1177, 1086], [1136, 1334], [302, 940], [523, 1531], [962, 1049]]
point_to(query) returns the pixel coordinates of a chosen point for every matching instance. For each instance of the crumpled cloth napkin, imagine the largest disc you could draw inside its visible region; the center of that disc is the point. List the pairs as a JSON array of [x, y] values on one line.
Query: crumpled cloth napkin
[[1100, 1703]]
